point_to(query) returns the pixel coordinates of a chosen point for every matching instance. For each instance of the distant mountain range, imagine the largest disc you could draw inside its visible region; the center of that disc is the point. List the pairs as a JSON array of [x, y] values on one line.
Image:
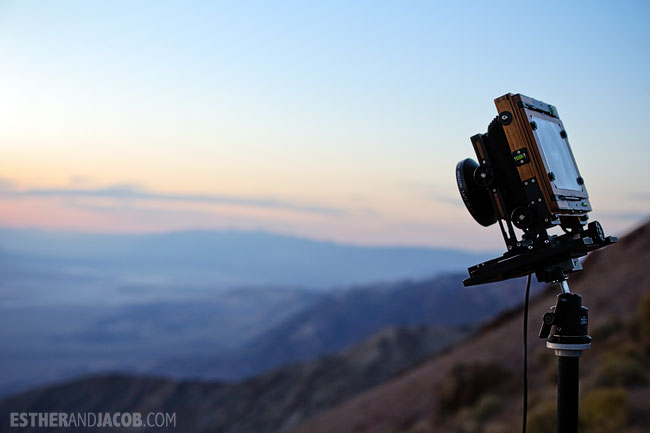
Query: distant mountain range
[[227, 259]]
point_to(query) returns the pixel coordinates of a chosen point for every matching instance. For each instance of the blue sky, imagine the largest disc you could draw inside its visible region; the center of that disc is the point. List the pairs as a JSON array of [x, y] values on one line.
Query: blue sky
[[336, 120]]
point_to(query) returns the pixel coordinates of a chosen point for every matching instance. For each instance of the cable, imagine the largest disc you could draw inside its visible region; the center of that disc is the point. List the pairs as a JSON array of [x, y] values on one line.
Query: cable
[[526, 352]]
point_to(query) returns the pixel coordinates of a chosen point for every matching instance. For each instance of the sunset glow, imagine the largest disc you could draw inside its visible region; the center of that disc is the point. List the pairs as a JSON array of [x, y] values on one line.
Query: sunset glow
[[330, 121]]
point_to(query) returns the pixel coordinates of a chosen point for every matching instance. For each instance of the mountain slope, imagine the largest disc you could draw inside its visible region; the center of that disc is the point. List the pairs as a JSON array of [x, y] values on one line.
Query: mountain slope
[[614, 282]]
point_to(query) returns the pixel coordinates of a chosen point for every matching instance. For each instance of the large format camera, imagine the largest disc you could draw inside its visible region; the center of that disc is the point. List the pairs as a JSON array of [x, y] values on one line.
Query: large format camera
[[527, 181]]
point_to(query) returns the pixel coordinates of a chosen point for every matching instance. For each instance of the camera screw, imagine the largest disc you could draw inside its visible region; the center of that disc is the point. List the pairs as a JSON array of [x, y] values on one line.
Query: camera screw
[[505, 118]]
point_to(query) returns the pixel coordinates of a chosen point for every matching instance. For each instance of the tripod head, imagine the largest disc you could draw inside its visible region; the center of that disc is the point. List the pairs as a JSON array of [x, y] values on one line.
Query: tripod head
[[565, 327]]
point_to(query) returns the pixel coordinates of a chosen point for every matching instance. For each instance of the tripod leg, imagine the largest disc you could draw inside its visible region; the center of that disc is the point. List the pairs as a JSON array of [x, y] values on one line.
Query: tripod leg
[[567, 394]]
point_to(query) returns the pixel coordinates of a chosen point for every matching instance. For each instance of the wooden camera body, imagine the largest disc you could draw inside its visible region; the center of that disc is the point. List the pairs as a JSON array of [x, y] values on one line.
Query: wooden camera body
[[527, 178]]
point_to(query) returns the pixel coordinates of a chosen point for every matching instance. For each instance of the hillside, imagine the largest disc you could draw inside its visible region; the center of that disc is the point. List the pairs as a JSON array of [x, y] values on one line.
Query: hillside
[[476, 386]]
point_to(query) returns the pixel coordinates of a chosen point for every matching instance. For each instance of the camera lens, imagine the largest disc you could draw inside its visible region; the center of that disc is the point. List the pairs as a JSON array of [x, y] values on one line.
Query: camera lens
[[476, 198]]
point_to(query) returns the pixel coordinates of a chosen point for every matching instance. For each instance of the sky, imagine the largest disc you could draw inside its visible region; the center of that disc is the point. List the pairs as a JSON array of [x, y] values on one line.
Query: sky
[[330, 120]]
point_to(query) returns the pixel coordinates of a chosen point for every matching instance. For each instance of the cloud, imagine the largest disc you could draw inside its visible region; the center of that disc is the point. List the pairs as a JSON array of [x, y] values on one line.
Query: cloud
[[131, 193], [435, 193], [80, 180]]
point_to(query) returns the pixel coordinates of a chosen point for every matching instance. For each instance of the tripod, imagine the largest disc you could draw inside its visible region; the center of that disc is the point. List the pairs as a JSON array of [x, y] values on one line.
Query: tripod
[[569, 338]]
